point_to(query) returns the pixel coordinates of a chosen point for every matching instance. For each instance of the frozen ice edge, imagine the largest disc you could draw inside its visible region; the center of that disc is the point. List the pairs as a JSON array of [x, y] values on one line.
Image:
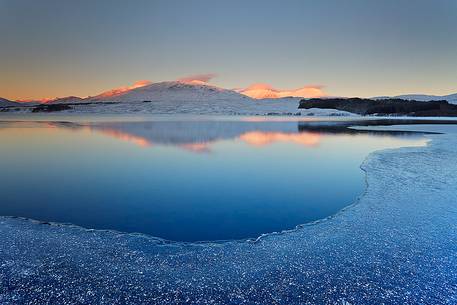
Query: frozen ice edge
[[314, 264]]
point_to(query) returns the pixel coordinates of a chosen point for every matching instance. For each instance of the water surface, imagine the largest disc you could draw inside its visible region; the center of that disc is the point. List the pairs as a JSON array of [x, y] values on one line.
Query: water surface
[[184, 180]]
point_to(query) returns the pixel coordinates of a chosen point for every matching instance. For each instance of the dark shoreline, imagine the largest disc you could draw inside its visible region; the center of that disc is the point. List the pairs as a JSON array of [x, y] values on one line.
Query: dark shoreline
[[384, 107]]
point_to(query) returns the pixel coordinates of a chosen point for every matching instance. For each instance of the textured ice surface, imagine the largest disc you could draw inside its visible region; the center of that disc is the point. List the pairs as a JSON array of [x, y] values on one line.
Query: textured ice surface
[[396, 245]]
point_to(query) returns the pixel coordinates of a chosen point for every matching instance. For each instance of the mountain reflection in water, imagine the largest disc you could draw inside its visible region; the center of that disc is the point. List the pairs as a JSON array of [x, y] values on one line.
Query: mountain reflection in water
[[198, 136]]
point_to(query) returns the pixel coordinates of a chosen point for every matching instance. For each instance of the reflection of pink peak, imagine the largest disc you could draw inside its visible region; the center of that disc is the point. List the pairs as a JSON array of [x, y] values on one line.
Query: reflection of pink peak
[[120, 90], [139, 141], [260, 138], [143, 142], [197, 147], [261, 90], [254, 138]]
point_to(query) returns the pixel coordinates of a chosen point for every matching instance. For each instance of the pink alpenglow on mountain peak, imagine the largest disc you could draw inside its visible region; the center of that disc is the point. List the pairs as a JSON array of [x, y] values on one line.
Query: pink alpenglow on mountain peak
[[194, 87], [198, 79], [261, 90], [120, 90]]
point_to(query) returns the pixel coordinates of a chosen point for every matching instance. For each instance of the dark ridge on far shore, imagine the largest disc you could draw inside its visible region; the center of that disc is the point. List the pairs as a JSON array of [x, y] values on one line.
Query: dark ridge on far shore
[[385, 107], [50, 107]]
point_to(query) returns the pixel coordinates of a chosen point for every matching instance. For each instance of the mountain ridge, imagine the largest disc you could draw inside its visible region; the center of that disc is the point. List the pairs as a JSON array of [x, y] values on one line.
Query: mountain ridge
[[7, 103], [197, 90], [451, 98], [173, 91]]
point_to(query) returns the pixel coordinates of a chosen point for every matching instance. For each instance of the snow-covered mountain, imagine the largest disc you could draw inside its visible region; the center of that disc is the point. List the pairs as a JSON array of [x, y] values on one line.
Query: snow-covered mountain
[[4, 102], [171, 91], [66, 100], [263, 91], [451, 98]]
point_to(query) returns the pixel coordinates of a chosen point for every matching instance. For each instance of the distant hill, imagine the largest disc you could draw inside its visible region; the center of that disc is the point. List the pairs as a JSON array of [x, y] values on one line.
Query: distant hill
[[66, 100], [383, 107], [171, 91], [451, 98], [6, 103]]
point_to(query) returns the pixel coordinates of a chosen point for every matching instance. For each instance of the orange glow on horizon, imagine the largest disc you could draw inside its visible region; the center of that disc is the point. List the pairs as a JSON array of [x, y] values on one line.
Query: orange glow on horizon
[[42, 100]]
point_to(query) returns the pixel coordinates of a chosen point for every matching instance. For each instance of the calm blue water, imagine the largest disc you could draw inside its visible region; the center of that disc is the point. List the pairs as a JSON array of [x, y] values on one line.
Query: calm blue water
[[182, 180]]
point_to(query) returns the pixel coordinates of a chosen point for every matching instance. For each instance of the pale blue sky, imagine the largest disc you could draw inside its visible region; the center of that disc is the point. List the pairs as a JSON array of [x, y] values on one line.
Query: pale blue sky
[[353, 48]]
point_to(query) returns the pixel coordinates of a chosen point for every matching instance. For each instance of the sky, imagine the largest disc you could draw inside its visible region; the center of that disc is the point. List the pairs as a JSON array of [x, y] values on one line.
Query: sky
[[364, 48]]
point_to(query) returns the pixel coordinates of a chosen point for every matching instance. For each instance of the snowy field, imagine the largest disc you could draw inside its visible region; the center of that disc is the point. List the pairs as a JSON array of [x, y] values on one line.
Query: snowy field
[[396, 245], [234, 106]]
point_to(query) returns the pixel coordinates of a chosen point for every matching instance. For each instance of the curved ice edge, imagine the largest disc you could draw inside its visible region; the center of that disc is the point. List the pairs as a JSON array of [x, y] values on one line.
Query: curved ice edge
[[358, 199], [161, 241]]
